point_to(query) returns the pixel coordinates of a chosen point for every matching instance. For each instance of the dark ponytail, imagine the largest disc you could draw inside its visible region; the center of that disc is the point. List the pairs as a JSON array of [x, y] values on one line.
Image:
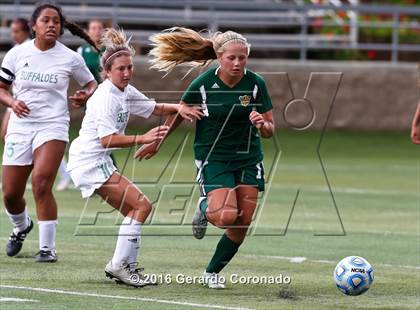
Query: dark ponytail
[[76, 30], [72, 27]]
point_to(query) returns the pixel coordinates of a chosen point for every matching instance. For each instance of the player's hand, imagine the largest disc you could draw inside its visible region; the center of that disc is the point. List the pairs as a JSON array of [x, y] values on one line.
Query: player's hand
[[256, 119], [79, 99], [415, 134], [190, 113], [147, 151], [154, 135], [20, 108]]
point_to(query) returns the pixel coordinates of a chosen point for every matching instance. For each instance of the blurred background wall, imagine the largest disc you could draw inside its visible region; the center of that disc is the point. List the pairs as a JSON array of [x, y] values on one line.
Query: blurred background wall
[[374, 44]]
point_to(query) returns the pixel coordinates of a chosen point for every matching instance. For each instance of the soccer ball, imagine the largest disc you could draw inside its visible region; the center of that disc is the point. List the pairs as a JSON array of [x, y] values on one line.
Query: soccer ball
[[353, 275]]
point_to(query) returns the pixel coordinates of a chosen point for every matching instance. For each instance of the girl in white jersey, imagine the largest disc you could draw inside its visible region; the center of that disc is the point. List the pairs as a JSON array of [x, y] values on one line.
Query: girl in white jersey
[[90, 164], [20, 33], [37, 133]]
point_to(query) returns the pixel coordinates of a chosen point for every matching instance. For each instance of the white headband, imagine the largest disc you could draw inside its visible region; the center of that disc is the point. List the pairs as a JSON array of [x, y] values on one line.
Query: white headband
[[120, 52], [236, 38]]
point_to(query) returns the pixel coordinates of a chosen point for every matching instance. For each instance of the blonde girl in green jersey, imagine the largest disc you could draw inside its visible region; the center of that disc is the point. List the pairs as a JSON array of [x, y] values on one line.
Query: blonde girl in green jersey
[[227, 145]]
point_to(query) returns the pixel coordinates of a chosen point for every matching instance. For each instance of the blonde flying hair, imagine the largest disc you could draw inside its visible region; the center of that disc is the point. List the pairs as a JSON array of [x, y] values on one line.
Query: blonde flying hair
[[116, 44], [178, 45]]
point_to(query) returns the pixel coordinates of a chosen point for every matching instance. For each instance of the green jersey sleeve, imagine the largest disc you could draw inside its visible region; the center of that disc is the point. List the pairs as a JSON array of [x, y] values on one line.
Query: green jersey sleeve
[[263, 98], [192, 95], [92, 60]]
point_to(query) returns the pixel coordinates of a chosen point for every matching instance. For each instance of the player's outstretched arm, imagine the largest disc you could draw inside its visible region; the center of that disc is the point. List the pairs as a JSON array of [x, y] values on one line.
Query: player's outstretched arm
[[147, 151], [415, 126], [185, 111], [119, 141], [79, 99]]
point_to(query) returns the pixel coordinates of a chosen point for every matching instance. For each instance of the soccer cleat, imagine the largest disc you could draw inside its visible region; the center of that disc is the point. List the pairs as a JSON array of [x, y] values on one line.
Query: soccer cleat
[[125, 274], [15, 242], [46, 256], [213, 280], [138, 271], [199, 222]]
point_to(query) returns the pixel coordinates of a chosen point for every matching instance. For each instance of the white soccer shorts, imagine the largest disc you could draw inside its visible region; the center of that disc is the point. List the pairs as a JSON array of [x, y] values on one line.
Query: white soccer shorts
[[20, 145], [90, 177]]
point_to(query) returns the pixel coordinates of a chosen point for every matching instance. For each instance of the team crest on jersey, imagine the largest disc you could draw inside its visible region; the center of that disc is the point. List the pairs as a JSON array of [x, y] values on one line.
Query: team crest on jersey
[[245, 100]]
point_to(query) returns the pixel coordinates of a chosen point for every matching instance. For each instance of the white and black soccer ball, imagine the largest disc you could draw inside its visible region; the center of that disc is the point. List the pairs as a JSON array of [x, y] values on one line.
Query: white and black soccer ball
[[353, 275]]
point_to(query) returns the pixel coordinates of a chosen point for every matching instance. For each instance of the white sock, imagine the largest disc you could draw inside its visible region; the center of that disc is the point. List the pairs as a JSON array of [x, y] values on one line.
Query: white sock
[[62, 170], [20, 221], [132, 258], [47, 231], [128, 242]]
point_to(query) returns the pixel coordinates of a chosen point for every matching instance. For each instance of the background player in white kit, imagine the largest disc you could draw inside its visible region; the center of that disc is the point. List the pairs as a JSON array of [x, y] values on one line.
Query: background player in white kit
[[37, 134], [90, 164], [20, 32]]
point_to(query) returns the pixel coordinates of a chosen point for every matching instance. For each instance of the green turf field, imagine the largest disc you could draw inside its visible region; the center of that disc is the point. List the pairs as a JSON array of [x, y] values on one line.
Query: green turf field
[[375, 181]]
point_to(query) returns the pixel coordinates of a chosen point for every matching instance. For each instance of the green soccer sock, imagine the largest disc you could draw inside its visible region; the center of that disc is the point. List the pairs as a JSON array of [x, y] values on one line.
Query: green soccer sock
[[225, 251]]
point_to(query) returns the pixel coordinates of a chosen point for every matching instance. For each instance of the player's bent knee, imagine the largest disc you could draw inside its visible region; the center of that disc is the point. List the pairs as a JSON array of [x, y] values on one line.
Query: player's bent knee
[[41, 186], [11, 199]]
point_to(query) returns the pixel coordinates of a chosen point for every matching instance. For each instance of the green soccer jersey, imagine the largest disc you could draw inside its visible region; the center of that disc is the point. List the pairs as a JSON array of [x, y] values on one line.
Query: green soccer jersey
[[92, 59], [226, 132]]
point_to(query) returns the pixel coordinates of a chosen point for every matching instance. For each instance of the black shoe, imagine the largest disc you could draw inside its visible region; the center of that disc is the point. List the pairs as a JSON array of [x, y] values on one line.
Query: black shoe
[[14, 244], [44, 256]]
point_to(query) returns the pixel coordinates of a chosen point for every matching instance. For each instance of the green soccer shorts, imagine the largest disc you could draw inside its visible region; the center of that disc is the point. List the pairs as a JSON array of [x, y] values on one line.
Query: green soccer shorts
[[228, 174]]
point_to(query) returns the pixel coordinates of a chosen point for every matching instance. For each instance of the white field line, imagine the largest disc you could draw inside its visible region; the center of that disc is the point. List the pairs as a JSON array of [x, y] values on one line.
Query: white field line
[[12, 299], [156, 300], [300, 259]]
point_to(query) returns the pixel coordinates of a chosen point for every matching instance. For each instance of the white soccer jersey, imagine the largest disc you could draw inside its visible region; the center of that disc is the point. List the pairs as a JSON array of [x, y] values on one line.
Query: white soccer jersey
[[108, 111], [41, 80]]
